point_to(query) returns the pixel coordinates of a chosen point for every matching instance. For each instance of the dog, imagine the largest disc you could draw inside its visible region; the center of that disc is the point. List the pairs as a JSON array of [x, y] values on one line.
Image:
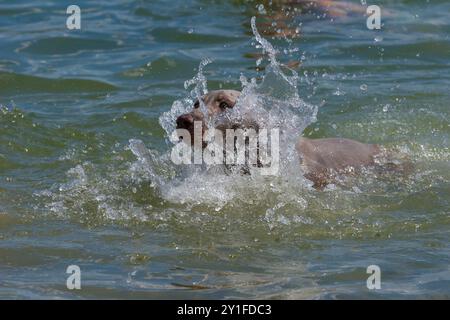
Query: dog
[[321, 159]]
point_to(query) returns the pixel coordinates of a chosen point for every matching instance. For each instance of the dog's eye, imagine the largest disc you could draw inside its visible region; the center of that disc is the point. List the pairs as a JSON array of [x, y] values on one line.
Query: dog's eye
[[223, 105], [196, 104]]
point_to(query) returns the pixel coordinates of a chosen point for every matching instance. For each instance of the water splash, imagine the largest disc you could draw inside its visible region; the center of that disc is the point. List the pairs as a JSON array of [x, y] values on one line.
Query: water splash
[[272, 53], [200, 88], [190, 195], [274, 102]]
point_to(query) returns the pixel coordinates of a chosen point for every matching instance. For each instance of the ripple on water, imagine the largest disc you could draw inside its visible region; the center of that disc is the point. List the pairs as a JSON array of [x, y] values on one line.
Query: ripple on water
[[68, 45]]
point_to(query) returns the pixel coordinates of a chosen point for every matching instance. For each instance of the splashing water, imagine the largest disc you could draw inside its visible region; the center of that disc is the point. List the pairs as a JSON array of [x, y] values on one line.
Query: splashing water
[[274, 102], [280, 200], [199, 81], [109, 199]]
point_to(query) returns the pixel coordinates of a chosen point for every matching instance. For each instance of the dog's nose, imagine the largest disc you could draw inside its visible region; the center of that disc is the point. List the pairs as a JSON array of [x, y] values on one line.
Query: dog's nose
[[184, 121]]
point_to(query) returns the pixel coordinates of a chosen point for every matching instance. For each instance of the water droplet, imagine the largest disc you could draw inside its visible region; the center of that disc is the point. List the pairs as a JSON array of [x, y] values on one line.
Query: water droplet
[[363, 87], [261, 9], [378, 39], [338, 92]]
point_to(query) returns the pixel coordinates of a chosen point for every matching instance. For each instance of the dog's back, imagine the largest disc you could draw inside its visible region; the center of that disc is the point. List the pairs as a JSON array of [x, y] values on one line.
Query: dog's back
[[321, 158]]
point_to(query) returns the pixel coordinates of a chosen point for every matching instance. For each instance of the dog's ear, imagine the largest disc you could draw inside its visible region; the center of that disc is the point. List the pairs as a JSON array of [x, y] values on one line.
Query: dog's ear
[[224, 103], [227, 99]]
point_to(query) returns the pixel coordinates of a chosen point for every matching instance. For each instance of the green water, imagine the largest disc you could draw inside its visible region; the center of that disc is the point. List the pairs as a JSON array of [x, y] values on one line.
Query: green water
[[73, 193]]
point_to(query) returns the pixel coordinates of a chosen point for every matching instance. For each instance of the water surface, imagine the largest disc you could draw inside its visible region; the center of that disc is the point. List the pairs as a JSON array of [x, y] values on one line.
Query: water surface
[[81, 117]]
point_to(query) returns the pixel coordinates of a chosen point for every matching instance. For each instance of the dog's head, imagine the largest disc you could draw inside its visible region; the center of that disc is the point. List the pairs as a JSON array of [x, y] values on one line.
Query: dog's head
[[216, 103], [220, 107]]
